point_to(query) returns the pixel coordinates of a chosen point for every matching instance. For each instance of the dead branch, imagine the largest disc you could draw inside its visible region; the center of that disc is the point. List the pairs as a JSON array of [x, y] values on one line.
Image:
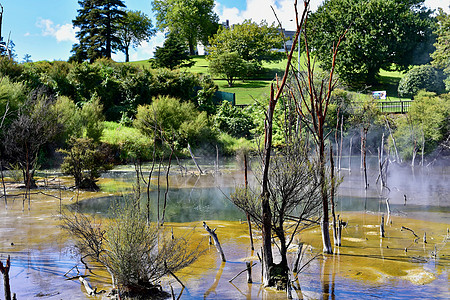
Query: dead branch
[[90, 291], [409, 229], [213, 234]]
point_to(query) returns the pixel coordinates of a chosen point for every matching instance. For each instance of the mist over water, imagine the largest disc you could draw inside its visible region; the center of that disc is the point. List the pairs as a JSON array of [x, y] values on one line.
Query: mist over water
[[194, 197]]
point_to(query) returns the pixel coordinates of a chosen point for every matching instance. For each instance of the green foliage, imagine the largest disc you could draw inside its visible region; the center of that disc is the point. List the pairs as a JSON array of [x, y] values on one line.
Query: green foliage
[[69, 116], [364, 113], [423, 77], [178, 123], [234, 121], [12, 96], [425, 125], [136, 28], [205, 95], [194, 21], [85, 161], [128, 141], [441, 56], [173, 54], [253, 42], [99, 24], [86, 79], [229, 66], [10, 68], [92, 119], [381, 34], [231, 145]]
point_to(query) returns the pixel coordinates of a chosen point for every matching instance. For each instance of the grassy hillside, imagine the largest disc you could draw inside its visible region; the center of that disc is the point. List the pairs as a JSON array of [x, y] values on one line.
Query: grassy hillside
[[258, 88]]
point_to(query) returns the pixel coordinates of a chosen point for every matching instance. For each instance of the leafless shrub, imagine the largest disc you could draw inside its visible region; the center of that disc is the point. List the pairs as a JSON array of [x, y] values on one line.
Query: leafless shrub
[[136, 254]]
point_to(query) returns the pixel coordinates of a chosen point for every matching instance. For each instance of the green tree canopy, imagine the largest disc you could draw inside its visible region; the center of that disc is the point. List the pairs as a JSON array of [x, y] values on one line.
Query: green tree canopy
[[135, 28], [98, 22], [192, 20], [381, 34], [441, 57], [172, 54], [252, 41], [228, 65]]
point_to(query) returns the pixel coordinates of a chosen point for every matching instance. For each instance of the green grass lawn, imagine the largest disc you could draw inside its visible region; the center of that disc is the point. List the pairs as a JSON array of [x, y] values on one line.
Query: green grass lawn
[[388, 81]]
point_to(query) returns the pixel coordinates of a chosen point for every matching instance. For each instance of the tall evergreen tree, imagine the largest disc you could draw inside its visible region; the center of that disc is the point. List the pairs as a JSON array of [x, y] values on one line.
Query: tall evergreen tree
[[173, 54], [98, 22]]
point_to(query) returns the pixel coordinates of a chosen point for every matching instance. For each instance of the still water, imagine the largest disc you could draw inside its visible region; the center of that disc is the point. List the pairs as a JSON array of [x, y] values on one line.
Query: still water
[[366, 266]]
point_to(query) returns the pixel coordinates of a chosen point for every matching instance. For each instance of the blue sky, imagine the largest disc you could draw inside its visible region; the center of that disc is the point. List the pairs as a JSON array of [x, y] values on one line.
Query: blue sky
[[43, 28]]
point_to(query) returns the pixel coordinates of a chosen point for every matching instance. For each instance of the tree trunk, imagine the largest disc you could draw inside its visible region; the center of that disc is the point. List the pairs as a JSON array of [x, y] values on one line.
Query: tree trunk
[[324, 193], [266, 228], [248, 216], [364, 151], [333, 214], [127, 54], [191, 48]]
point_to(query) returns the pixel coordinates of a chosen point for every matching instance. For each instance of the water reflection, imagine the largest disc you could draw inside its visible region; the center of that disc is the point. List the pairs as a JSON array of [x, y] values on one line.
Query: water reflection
[[366, 266]]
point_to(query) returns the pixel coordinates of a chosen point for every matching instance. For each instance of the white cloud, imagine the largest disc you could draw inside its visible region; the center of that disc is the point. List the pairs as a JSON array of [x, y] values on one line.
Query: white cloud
[[62, 33]]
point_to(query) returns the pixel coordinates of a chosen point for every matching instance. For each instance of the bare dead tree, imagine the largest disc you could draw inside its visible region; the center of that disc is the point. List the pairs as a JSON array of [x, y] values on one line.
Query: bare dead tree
[[34, 126], [294, 201], [135, 253], [313, 97]]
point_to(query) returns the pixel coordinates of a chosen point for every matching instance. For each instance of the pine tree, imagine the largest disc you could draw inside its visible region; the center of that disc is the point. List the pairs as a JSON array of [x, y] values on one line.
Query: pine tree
[[98, 23], [174, 53]]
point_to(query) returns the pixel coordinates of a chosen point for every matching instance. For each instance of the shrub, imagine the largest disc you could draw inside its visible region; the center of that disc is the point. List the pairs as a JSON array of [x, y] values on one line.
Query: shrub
[[425, 126], [85, 161], [10, 68], [92, 119], [135, 253], [234, 121], [12, 96], [423, 77], [173, 121], [129, 141]]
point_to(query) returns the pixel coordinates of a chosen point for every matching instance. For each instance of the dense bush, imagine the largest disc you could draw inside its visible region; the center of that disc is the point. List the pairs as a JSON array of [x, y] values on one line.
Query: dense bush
[[12, 96], [10, 68], [86, 160], [425, 125], [234, 121], [178, 123], [423, 77]]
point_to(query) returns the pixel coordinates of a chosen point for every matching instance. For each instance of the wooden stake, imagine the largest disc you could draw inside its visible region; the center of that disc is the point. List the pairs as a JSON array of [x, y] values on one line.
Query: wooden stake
[[5, 271], [249, 272], [246, 269], [382, 226]]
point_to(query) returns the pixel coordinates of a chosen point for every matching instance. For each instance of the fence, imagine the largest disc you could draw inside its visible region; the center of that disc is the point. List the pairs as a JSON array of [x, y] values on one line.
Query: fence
[[394, 107]]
